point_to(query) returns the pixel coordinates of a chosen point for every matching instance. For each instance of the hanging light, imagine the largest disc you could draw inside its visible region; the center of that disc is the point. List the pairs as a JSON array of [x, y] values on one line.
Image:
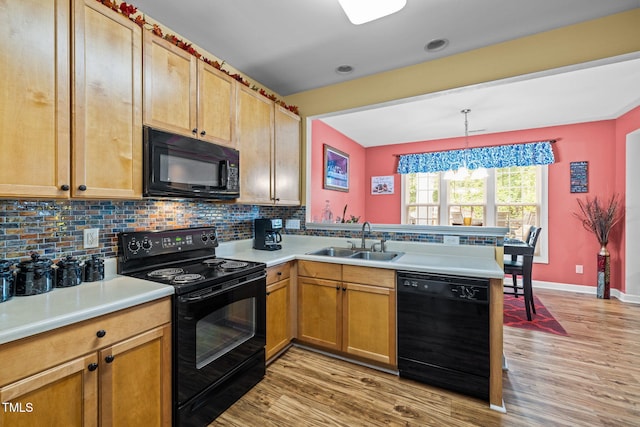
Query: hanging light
[[463, 171], [361, 11]]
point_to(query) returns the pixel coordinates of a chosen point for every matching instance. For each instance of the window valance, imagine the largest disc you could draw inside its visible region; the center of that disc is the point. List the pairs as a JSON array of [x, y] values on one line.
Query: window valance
[[500, 156]]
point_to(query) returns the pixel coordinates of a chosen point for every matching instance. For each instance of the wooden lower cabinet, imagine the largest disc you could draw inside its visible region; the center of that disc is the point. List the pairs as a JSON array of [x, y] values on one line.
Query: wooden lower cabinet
[[348, 316], [121, 383], [279, 332]]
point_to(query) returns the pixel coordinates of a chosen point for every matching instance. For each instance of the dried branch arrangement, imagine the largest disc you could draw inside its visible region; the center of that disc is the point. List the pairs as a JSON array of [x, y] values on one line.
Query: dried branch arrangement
[[600, 216]]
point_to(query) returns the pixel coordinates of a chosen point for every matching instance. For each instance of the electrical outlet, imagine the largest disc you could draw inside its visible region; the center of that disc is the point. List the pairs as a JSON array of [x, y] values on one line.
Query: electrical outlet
[[451, 240], [293, 224], [91, 238], [579, 269]]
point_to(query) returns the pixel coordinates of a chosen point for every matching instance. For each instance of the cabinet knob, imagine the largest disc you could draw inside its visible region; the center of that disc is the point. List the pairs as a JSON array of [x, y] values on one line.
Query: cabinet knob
[[82, 187], [337, 288], [194, 130], [64, 187], [344, 289], [268, 293], [109, 358], [92, 366], [101, 333], [279, 273], [203, 133]]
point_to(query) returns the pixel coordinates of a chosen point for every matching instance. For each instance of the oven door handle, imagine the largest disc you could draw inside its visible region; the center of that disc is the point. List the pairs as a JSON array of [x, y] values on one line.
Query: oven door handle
[[211, 294]]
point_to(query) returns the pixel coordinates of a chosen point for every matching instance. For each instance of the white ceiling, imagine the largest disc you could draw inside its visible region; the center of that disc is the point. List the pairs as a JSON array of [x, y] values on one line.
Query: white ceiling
[[598, 92], [295, 45]]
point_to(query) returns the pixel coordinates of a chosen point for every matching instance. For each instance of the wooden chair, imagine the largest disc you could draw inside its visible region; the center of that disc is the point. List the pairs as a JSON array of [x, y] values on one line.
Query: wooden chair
[[515, 265]]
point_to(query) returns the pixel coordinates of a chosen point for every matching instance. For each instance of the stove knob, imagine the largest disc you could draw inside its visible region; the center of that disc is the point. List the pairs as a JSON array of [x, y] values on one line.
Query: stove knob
[[134, 246], [204, 238], [146, 244]]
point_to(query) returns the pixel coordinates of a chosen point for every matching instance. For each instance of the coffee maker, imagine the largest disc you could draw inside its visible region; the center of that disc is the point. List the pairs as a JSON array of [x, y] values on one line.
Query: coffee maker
[[267, 234]]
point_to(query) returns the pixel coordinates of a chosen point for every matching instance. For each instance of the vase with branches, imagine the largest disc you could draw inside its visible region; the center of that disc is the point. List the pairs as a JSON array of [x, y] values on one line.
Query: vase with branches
[[599, 216]]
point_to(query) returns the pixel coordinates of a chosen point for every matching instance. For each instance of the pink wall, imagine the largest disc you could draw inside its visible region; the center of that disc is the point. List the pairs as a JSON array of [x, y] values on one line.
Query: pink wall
[[600, 143], [322, 134]]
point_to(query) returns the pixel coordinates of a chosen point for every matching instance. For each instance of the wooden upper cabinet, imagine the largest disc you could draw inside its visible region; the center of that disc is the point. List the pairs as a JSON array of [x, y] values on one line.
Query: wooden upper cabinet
[[286, 168], [216, 106], [255, 138], [34, 106], [107, 101], [170, 86]]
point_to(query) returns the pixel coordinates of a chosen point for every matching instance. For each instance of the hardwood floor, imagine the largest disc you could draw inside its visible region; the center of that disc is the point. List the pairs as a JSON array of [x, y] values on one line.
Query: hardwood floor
[[590, 378]]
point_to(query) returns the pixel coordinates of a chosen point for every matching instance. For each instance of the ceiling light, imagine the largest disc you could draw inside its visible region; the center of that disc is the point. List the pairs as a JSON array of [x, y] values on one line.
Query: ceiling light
[[436, 45], [344, 69], [463, 172], [361, 11]]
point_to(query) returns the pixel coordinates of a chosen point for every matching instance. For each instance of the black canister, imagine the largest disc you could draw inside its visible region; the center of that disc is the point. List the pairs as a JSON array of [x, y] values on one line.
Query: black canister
[[68, 273], [34, 276], [94, 269], [6, 281]]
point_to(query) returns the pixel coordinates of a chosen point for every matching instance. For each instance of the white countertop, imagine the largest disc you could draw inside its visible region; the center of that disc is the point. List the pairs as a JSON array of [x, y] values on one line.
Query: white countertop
[[463, 260], [21, 317], [25, 316]]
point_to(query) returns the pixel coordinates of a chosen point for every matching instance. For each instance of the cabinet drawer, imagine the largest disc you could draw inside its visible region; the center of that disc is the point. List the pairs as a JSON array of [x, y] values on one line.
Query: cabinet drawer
[[39, 352], [320, 270], [369, 275], [278, 272]]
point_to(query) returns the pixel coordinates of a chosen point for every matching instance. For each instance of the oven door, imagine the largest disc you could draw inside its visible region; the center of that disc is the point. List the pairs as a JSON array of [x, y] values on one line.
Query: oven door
[[176, 165], [215, 331]]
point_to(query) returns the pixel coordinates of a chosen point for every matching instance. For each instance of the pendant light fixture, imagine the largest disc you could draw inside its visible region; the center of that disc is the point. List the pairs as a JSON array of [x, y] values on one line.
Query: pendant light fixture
[[463, 171], [362, 11]]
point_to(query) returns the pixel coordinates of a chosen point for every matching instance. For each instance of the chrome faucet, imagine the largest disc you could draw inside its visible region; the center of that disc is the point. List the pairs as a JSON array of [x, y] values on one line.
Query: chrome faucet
[[366, 224]]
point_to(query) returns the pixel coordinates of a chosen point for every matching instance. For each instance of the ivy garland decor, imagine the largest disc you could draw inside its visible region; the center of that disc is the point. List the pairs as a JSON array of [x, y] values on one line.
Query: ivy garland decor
[[130, 12]]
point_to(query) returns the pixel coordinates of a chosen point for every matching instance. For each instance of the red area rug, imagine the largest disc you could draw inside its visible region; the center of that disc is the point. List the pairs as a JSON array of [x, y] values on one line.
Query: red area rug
[[515, 315]]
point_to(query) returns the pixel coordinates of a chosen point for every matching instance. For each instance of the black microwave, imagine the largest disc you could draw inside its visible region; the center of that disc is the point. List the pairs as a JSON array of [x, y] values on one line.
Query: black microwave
[[179, 166]]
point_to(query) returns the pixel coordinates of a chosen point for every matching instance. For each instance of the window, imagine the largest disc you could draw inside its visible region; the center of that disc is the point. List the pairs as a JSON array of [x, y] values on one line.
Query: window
[[421, 199], [513, 197]]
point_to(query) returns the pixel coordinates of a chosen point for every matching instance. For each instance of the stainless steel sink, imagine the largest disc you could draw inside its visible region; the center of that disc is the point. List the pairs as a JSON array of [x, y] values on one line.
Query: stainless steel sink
[[334, 251], [359, 253], [376, 256]]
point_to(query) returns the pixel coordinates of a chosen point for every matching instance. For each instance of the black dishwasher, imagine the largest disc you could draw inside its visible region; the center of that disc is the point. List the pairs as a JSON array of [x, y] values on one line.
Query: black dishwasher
[[443, 331]]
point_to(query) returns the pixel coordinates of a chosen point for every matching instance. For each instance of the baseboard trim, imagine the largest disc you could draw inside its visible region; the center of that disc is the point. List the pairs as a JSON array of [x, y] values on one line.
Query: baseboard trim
[[581, 289]]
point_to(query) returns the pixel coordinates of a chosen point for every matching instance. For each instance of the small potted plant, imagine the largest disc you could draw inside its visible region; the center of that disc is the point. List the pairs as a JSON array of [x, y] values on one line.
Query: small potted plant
[[600, 216]]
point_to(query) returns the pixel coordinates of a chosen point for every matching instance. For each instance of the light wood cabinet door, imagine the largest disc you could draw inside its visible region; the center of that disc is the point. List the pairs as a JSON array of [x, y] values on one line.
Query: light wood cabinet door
[[135, 380], [369, 322], [286, 170], [278, 320], [255, 134], [107, 104], [320, 312], [35, 102], [65, 395], [216, 106], [170, 86]]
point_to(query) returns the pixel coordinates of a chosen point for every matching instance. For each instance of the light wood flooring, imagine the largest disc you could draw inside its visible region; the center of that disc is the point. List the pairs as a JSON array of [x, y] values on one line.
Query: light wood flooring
[[590, 378]]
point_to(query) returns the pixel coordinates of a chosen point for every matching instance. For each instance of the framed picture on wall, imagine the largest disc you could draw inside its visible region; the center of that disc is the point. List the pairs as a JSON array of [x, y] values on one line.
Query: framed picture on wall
[[336, 169], [382, 185]]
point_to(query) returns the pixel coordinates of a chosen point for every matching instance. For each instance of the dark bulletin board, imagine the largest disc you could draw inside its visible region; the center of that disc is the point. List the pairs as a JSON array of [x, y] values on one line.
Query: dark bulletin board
[[579, 173]]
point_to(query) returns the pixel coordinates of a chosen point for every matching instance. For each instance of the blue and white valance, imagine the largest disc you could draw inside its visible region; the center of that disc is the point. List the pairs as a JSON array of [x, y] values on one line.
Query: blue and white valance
[[500, 156]]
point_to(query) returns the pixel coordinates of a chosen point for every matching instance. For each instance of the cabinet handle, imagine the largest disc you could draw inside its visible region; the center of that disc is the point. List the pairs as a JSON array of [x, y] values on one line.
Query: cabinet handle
[[101, 333], [82, 187], [203, 133], [92, 366], [194, 130], [109, 358], [65, 187]]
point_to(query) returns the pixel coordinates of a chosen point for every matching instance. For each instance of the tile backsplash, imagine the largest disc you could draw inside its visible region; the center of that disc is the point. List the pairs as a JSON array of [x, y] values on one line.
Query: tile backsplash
[[54, 228]]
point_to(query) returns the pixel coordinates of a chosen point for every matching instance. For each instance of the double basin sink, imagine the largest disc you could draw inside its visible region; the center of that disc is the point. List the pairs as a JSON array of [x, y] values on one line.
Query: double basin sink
[[358, 253]]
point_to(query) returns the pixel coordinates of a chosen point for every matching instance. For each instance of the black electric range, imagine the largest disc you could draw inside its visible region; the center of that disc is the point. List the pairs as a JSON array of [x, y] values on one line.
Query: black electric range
[[219, 316]]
